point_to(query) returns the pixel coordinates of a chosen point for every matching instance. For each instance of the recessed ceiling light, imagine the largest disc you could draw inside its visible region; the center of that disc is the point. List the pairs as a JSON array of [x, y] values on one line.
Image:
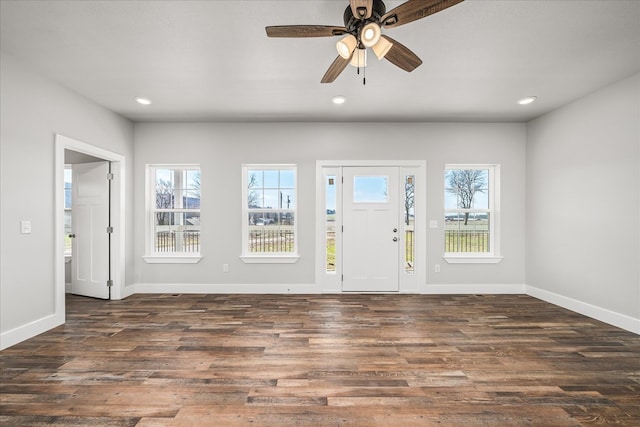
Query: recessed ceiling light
[[143, 101], [338, 99], [527, 100]]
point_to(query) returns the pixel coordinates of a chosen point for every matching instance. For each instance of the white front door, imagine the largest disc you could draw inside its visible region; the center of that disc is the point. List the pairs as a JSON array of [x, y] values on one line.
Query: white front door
[[370, 237], [90, 219]]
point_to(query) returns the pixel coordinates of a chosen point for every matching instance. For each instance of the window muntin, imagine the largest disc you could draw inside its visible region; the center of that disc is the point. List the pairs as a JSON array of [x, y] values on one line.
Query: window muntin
[[270, 210], [175, 210], [470, 210]]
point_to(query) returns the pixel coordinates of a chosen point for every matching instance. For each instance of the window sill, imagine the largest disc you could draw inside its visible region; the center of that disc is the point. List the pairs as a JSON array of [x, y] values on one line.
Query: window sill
[[472, 259], [270, 259], [172, 259]]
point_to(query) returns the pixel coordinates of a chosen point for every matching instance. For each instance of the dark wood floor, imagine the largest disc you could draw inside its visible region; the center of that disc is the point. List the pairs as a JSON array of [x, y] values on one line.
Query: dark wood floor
[[322, 360]]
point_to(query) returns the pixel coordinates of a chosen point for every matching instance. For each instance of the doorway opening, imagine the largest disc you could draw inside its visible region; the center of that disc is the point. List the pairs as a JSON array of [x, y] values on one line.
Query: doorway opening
[[106, 266]]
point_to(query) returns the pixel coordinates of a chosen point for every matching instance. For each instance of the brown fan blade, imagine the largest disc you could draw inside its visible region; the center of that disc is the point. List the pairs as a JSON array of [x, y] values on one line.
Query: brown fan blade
[[401, 56], [412, 10], [361, 8], [305, 31], [335, 69]]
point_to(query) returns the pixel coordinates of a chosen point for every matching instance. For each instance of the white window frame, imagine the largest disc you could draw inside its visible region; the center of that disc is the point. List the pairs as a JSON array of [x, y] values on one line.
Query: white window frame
[[151, 255], [269, 257], [493, 256], [67, 255]]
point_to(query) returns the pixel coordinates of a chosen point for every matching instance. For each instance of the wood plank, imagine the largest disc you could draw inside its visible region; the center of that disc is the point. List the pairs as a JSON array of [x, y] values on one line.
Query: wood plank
[[375, 360]]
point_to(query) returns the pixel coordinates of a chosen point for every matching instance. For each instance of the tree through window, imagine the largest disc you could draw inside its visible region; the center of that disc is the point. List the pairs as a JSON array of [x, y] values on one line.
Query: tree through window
[[469, 209]]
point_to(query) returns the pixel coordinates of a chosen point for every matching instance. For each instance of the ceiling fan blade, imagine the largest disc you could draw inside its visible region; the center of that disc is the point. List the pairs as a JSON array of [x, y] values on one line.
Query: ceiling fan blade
[[401, 56], [305, 31], [412, 10], [335, 69], [361, 8]]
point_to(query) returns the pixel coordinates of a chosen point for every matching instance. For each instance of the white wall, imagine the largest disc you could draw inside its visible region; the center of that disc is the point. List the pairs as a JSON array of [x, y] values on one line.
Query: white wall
[[222, 148], [32, 110], [583, 204]]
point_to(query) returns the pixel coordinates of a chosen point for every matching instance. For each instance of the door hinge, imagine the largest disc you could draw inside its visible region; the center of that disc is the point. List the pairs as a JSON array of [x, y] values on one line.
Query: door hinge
[[109, 176], [109, 230], [109, 283], [342, 277]]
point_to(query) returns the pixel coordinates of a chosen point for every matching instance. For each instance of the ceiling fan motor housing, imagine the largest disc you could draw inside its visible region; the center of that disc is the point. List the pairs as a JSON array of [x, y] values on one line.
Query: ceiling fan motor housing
[[354, 24]]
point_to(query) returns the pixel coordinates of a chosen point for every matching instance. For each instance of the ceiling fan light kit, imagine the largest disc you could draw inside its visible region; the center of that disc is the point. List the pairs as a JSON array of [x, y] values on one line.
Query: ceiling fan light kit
[[359, 58], [346, 46], [382, 48], [363, 23], [370, 34]]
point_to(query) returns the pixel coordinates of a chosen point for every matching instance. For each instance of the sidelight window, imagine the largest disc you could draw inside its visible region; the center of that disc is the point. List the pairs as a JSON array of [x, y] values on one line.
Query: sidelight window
[[68, 230]]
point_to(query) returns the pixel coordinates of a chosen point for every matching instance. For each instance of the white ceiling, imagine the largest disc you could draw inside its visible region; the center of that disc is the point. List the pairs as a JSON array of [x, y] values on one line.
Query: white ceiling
[[211, 60]]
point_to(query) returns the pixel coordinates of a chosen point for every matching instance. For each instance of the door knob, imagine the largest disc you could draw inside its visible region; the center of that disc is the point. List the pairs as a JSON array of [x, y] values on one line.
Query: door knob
[[395, 239], [72, 236], [395, 230]]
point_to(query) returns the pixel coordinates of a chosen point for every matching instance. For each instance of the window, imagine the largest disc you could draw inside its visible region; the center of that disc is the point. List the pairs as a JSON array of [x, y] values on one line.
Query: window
[[173, 213], [330, 222], [409, 223], [471, 224], [269, 211], [370, 189], [68, 230]]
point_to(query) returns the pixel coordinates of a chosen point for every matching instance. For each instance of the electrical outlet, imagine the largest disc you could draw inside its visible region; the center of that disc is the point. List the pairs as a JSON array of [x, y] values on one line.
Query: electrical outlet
[[225, 268], [437, 268]]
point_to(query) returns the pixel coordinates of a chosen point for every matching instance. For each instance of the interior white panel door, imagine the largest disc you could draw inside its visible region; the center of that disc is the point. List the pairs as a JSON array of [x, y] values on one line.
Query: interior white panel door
[[90, 219], [370, 237]]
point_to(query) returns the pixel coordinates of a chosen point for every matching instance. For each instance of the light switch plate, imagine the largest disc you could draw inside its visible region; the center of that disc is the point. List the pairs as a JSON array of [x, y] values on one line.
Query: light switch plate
[[25, 227]]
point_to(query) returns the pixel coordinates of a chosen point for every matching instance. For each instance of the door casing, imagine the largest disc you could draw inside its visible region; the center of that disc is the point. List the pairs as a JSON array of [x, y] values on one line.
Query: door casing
[[118, 168]]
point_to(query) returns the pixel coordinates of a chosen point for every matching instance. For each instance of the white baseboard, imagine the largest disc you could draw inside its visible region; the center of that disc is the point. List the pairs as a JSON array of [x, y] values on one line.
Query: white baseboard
[[277, 288], [474, 289], [30, 330], [602, 314], [127, 291], [331, 291], [185, 288]]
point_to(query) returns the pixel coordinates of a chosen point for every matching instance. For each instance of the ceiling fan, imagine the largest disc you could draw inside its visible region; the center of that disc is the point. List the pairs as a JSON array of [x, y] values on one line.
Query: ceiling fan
[[363, 21]]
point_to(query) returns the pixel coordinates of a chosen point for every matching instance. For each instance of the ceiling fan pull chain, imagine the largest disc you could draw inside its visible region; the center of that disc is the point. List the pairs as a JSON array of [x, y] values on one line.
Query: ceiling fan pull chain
[[364, 76]]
